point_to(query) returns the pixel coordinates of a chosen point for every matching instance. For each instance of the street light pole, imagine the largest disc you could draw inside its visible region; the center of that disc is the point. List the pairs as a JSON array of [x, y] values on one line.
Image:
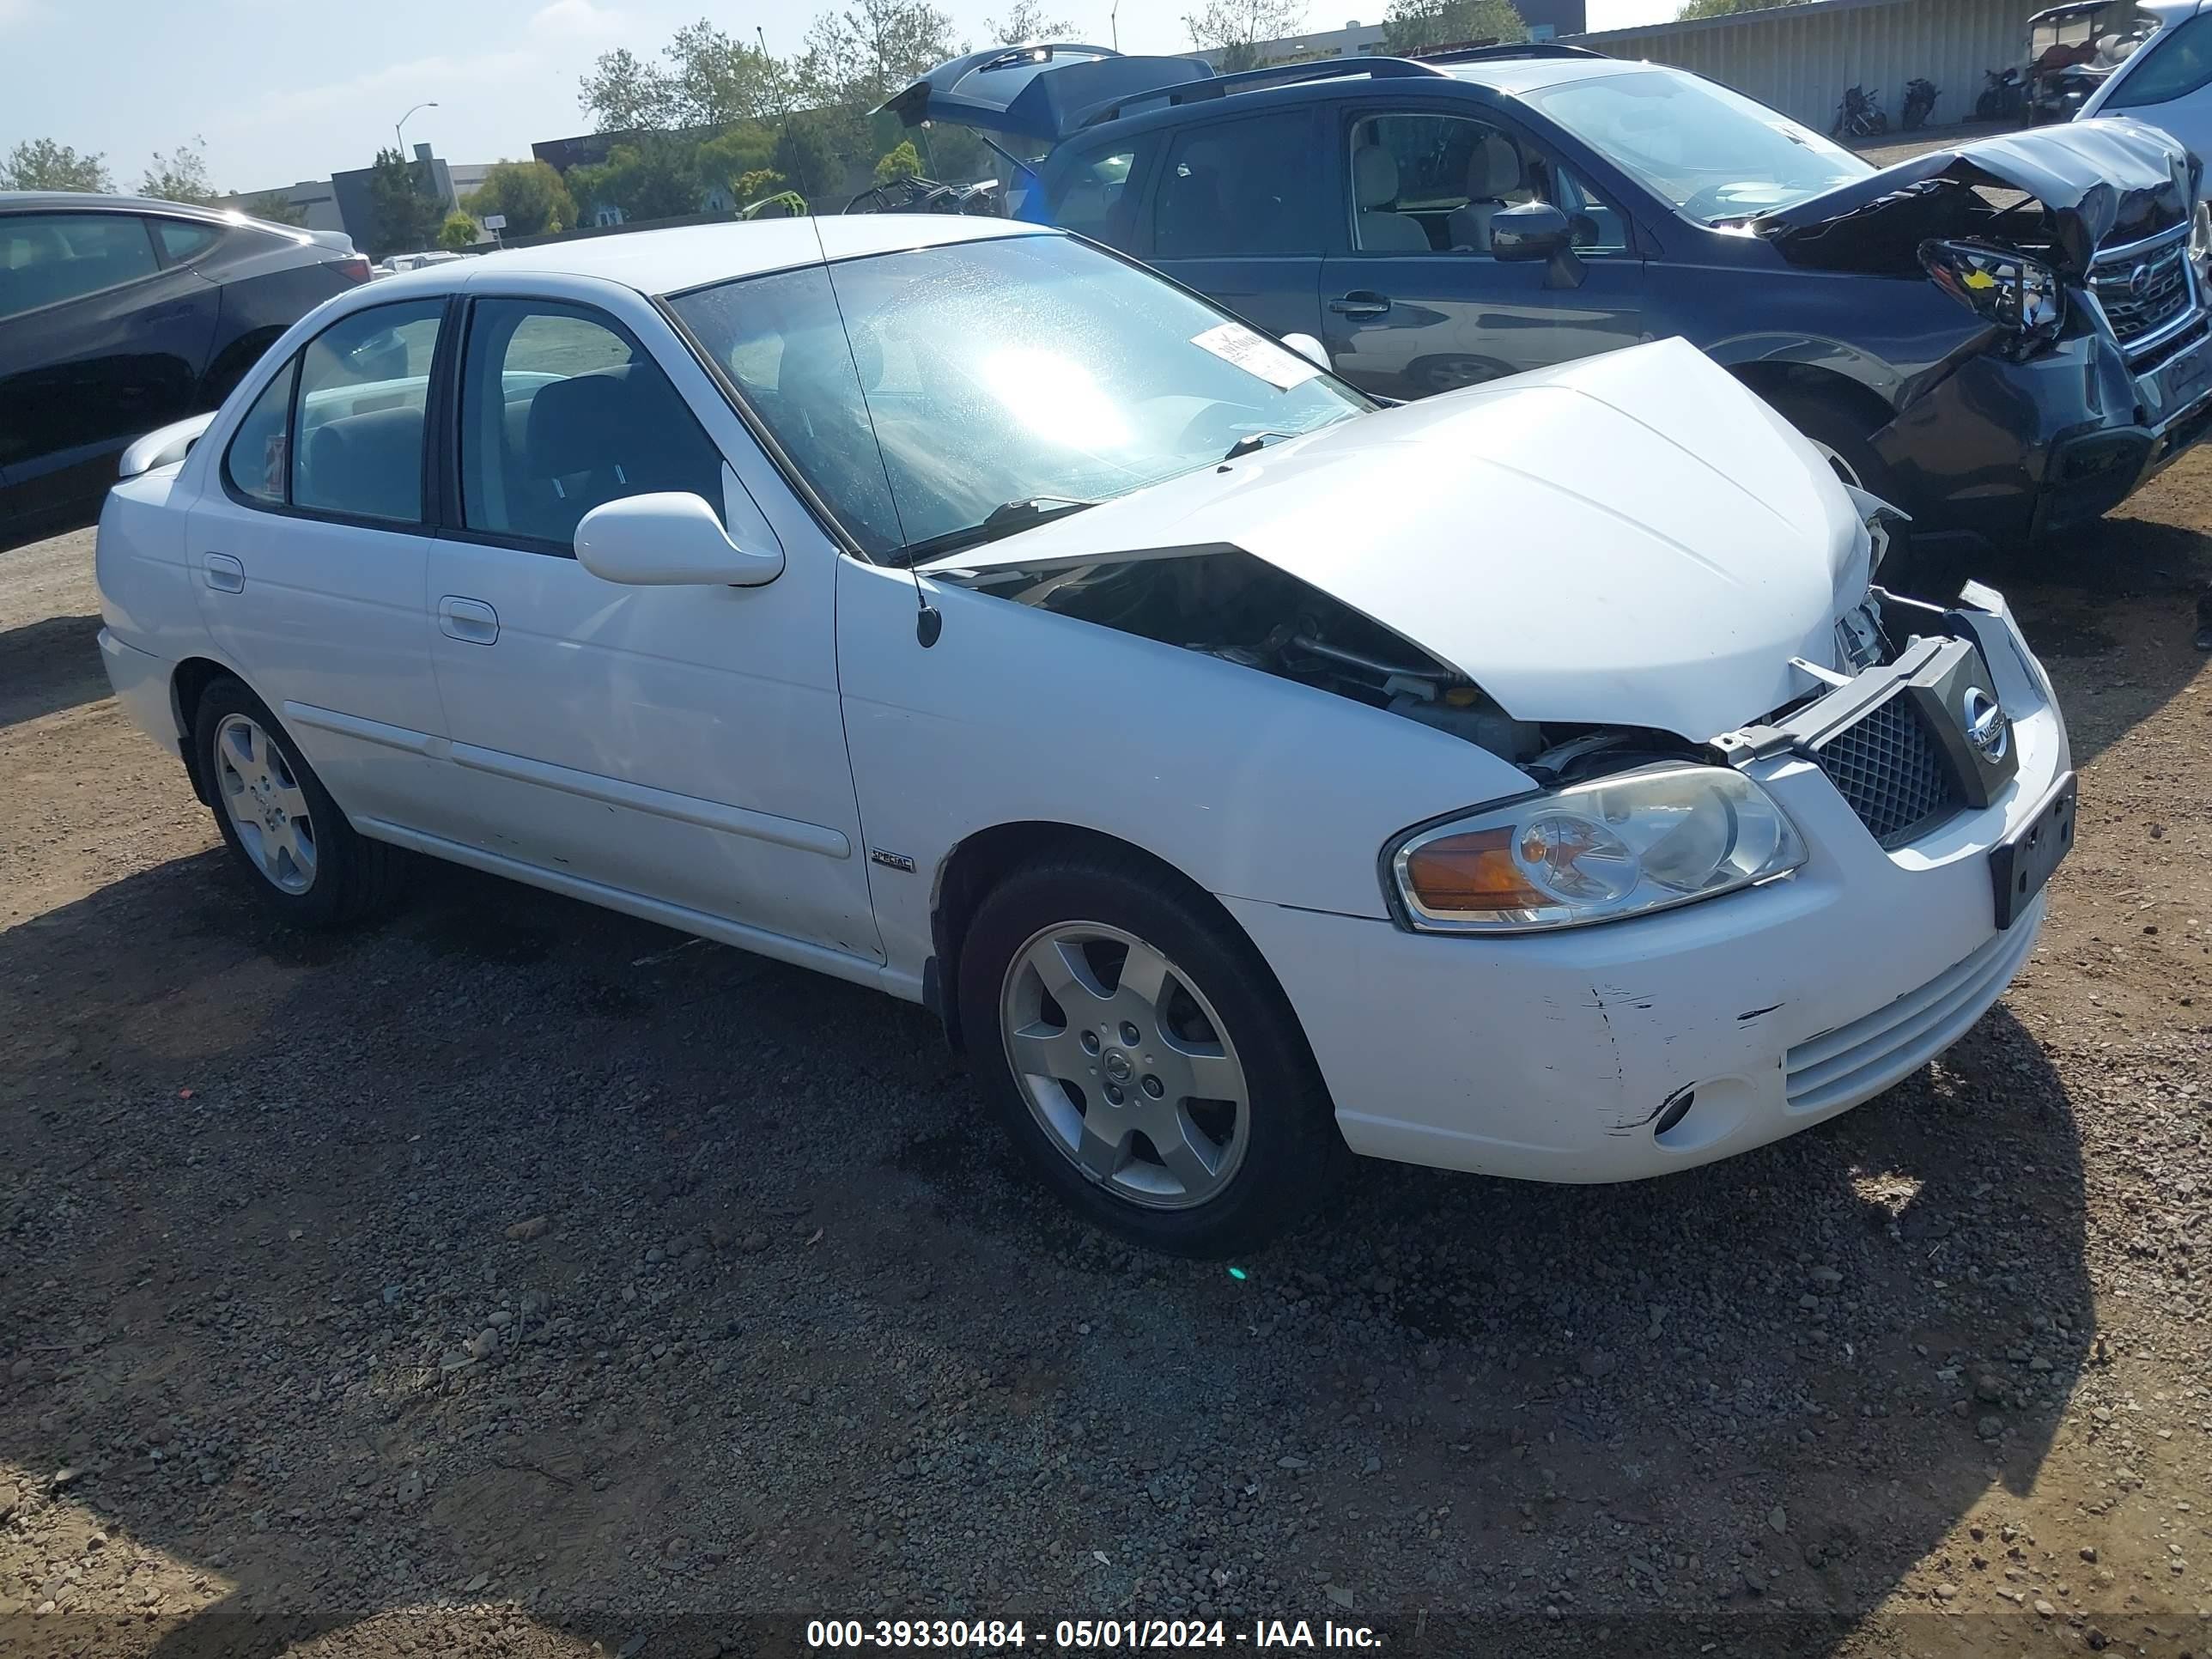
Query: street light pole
[[399, 136]]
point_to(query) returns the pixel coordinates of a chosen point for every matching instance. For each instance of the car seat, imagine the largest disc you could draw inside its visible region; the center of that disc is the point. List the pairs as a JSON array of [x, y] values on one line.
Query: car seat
[[1375, 186], [1493, 172]]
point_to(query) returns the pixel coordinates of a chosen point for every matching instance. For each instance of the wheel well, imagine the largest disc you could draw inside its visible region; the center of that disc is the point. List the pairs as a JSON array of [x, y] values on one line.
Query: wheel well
[[232, 362], [186, 687], [1782, 383], [985, 859]]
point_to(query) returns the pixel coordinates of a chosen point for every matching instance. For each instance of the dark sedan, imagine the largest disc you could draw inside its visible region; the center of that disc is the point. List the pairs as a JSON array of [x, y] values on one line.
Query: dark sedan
[[117, 316]]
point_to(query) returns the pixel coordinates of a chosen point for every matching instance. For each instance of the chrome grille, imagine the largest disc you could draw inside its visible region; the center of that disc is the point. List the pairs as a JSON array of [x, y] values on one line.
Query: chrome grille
[[2143, 295], [1891, 773]]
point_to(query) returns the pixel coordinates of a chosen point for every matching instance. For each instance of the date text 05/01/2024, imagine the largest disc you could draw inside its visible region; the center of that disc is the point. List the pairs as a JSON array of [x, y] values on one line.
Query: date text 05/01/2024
[[1095, 1635]]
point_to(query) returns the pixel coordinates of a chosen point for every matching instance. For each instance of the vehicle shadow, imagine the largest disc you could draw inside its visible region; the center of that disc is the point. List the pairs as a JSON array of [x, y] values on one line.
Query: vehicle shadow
[[765, 1314], [48, 665]]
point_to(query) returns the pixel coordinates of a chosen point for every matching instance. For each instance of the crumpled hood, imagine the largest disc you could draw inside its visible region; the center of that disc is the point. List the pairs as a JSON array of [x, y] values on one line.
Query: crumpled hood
[[1632, 538], [2094, 182]]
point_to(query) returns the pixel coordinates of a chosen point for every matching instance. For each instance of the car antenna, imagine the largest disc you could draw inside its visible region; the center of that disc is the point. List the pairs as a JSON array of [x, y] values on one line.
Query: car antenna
[[929, 620]]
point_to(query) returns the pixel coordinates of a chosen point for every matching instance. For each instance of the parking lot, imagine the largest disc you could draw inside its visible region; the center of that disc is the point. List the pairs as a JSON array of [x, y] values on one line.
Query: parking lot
[[515, 1277]]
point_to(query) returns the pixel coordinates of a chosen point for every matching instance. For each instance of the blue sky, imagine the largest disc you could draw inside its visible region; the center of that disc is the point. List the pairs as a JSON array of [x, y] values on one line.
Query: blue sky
[[287, 89]]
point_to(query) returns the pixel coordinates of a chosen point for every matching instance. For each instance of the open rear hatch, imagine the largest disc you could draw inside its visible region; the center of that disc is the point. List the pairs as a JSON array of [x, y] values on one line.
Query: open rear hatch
[[1038, 93], [2058, 192]]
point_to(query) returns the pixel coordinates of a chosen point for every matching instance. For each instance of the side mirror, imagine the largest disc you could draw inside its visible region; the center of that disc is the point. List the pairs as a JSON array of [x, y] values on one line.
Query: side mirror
[[1531, 231], [667, 540], [1309, 349]]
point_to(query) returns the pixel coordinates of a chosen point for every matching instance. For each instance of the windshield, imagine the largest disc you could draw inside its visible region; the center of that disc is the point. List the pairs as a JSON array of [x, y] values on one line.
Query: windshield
[[984, 377], [1714, 154]]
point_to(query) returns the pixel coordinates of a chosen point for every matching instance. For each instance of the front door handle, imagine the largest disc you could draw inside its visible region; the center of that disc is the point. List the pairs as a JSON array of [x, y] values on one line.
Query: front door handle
[[1360, 302], [471, 621], [224, 573]]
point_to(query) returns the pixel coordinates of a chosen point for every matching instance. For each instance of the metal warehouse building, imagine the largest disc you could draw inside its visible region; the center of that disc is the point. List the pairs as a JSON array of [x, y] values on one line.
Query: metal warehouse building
[[1801, 58]]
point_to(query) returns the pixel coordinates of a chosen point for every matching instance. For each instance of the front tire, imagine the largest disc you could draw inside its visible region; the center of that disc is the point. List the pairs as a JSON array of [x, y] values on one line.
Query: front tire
[[1841, 437], [1141, 1054], [305, 860]]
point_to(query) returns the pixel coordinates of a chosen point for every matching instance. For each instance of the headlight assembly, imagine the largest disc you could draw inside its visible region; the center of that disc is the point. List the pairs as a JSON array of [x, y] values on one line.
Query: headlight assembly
[[2200, 245], [2019, 295], [1637, 842]]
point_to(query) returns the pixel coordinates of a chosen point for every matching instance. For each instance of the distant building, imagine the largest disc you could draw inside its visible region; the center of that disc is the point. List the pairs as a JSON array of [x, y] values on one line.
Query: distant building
[[1546, 20], [342, 202]]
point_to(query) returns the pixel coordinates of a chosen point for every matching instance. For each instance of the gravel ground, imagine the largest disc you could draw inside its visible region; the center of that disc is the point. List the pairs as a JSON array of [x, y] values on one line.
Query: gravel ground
[[518, 1278]]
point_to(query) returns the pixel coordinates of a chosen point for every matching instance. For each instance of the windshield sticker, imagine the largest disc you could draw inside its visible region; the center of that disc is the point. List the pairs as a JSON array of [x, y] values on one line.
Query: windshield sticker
[[1257, 355]]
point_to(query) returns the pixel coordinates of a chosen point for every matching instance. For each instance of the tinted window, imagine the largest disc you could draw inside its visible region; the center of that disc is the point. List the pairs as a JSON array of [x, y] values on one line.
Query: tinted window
[[357, 430], [254, 464], [1020, 369], [180, 238], [47, 257], [1088, 196], [2177, 61], [561, 413], [1237, 188]]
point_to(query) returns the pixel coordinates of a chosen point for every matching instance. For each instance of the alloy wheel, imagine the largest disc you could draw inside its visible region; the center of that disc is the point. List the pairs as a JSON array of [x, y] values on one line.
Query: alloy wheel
[[1125, 1065], [265, 804]]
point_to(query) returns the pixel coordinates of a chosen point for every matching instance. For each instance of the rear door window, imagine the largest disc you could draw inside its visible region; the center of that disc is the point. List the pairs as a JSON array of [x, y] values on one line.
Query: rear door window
[[48, 258], [1234, 188], [183, 238], [356, 448], [1092, 195]]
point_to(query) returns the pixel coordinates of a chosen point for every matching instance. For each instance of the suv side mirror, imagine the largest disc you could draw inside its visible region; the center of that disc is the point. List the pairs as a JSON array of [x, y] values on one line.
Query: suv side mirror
[[668, 539], [1531, 231]]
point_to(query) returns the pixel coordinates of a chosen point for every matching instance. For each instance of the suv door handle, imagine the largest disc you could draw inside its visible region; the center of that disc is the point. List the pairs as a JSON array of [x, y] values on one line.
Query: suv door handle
[[1361, 302], [224, 573], [471, 621]]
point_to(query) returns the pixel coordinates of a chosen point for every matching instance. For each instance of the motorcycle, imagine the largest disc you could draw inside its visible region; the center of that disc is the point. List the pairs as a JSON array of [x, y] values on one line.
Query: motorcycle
[[1860, 115], [915, 194], [1920, 96], [2003, 98]]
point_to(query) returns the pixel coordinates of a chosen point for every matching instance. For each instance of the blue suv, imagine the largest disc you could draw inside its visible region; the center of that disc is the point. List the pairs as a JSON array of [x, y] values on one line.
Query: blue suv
[[2002, 338]]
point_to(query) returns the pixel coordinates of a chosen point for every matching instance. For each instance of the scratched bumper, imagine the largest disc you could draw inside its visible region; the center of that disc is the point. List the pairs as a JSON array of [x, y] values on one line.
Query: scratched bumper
[[1552, 1057]]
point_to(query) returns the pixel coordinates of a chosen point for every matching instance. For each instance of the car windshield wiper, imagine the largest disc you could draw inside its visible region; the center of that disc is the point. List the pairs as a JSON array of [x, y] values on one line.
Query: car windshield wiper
[[1004, 520], [1253, 441]]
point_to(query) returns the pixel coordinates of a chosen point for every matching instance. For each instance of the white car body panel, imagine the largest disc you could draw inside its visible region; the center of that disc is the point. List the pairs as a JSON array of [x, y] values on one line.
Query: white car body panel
[[2188, 117], [788, 768], [1625, 537]]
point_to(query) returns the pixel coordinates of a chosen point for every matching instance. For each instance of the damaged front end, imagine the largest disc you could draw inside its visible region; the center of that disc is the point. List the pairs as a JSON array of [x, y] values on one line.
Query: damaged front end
[[2087, 255]]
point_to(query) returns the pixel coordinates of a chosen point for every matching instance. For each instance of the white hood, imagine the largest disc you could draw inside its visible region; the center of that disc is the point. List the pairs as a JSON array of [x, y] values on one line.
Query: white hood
[[1631, 539]]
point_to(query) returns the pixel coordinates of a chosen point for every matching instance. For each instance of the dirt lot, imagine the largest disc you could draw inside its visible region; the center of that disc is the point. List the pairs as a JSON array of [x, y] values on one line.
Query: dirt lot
[[766, 1327]]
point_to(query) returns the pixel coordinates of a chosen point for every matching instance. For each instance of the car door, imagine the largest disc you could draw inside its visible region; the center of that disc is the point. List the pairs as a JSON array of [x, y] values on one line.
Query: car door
[[682, 743], [1233, 212], [102, 340], [310, 554], [1418, 304]]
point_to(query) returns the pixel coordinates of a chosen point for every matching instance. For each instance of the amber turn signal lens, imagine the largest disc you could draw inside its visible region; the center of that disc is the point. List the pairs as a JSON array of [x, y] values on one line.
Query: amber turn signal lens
[[1472, 872]]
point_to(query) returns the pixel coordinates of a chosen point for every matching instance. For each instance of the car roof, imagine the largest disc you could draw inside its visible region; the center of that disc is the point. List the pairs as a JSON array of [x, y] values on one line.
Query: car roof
[[691, 256], [1516, 76], [83, 201]]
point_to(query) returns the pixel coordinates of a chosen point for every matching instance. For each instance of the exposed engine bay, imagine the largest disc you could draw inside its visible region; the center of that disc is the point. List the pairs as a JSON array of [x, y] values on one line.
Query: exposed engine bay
[[1228, 604]]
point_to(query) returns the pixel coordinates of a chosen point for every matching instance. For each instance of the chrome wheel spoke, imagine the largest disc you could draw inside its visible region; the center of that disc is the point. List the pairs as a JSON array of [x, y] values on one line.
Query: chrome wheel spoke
[[1104, 1144], [1067, 974], [1046, 1051], [1144, 978], [1189, 1156], [1204, 1071]]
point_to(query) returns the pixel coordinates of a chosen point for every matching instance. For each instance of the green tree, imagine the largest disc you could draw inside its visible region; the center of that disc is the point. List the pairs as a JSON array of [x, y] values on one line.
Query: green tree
[[804, 155], [625, 93], [706, 77], [1236, 29], [859, 55], [530, 195], [405, 216], [42, 164], [1411, 26], [899, 162], [277, 207], [1026, 22], [741, 148], [459, 231], [179, 176], [1694, 8], [753, 187], [656, 177]]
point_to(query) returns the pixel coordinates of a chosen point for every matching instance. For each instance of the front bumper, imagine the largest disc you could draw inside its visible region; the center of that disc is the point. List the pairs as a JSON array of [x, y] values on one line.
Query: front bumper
[[2000, 452], [1555, 1057]]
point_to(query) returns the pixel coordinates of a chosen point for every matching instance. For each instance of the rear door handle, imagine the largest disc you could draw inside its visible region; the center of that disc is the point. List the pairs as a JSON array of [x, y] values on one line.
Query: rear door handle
[[224, 573], [471, 621], [1360, 302]]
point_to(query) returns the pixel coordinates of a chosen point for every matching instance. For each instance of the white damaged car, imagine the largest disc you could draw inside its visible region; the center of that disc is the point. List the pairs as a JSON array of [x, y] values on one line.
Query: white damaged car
[[1527, 781]]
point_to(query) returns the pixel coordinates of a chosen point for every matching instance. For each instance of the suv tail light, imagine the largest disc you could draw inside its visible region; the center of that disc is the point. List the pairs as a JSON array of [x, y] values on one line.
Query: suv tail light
[[353, 269]]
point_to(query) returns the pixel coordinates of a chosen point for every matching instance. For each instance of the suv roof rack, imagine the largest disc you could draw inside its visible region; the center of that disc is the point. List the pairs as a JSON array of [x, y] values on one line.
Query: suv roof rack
[[1282, 75], [1516, 49]]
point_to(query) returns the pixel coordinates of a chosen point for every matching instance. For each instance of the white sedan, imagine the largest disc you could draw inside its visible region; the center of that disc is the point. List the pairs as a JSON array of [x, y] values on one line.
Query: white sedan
[[1527, 781]]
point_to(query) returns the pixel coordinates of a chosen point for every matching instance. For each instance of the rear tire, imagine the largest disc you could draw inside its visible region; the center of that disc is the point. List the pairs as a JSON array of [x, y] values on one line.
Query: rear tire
[[1140, 1052], [305, 862]]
